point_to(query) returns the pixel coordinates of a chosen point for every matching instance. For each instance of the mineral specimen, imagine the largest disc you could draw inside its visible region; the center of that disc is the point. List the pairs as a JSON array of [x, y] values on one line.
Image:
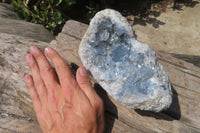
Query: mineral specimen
[[127, 69]]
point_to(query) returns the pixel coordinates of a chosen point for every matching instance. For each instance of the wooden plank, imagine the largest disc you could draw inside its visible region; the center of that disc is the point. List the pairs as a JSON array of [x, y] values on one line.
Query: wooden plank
[[185, 78], [76, 29], [189, 58], [16, 110], [182, 117], [19, 125]]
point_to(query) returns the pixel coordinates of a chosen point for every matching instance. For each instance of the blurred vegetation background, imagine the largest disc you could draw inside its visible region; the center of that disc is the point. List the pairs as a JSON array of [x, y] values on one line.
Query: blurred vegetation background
[[54, 13]]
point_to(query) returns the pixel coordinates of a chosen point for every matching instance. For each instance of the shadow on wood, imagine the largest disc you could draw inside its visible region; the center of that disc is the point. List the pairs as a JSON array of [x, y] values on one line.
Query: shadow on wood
[[110, 109], [172, 113], [194, 59]]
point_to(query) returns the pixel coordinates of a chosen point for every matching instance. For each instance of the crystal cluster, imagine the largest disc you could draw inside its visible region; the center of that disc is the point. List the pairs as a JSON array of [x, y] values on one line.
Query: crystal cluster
[[127, 69]]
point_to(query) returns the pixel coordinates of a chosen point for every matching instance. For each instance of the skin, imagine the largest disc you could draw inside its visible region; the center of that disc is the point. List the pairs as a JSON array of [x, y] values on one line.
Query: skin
[[66, 105]]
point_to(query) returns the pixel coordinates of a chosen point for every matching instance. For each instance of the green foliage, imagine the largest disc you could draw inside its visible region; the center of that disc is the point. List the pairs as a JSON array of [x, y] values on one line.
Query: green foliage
[[22, 12], [91, 11], [46, 12], [92, 8], [70, 2]]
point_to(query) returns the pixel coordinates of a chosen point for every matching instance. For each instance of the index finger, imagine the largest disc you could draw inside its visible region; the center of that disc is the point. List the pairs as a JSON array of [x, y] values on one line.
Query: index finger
[[64, 74]]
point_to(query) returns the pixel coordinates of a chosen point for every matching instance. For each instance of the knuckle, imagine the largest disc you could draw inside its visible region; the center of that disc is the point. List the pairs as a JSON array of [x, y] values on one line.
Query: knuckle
[[61, 66], [40, 58], [38, 55], [42, 95], [85, 82], [55, 56], [41, 90], [46, 70], [32, 64], [40, 85]]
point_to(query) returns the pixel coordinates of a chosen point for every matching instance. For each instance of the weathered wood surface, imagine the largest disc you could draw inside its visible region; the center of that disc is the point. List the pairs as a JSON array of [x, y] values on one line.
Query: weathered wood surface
[[17, 115], [16, 111], [10, 23], [182, 116]]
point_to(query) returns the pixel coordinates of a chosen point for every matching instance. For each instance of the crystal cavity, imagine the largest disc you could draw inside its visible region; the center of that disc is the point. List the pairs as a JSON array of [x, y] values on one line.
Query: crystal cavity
[[126, 68]]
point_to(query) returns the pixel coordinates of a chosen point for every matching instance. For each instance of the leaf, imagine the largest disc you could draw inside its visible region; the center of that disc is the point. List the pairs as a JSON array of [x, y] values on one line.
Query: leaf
[[36, 12], [70, 2], [43, 6], [26, 13], [60, 22], [43, 16], [33, 21], [15, 5], [58, 14], [20, 2], [20, 14], [51, 2], [45, 12], [59, 2]]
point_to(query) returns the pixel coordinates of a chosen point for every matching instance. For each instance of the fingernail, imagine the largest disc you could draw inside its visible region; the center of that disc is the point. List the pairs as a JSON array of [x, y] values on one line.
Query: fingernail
[[47, 49], [33, 48], [83, 71], [27, 78], [29, 58]]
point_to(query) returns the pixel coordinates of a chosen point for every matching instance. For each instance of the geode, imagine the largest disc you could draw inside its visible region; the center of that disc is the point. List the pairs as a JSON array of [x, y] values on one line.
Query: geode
[[126, 68]]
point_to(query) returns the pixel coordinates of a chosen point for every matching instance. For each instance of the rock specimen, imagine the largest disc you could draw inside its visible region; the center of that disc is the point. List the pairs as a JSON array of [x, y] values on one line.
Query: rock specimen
[[127, 69]]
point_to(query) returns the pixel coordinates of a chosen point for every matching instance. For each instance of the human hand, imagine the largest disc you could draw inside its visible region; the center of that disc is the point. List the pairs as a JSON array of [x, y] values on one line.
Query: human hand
[[67, 105]]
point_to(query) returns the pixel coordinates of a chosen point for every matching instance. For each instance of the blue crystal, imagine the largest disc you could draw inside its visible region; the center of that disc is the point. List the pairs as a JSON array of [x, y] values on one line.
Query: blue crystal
[[127, 69]]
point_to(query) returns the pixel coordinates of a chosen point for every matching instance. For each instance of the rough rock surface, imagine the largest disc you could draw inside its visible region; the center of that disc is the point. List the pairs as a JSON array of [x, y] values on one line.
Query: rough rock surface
[[127, 69], [6, 11], [11, 24], [16, 110]]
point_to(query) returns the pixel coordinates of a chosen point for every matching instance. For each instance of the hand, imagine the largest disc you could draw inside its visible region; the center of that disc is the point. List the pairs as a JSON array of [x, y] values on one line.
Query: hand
[[67, 105]]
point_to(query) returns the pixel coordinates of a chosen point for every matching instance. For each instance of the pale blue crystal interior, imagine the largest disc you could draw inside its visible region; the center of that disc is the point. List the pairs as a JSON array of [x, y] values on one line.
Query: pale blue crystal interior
[[127, 69], [111, 50]]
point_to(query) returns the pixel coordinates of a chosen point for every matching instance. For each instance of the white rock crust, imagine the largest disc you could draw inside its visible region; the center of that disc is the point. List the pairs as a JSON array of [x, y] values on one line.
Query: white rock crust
[[127, 69]]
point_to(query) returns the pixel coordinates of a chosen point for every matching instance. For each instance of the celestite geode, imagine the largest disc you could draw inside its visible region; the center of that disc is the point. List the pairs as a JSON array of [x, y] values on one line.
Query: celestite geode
[[127, 69]]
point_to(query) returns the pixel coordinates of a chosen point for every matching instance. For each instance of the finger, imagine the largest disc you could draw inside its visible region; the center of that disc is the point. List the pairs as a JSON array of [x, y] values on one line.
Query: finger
[[38, 83], [47, 73], [33, 93], [85, 84], [64, 74]]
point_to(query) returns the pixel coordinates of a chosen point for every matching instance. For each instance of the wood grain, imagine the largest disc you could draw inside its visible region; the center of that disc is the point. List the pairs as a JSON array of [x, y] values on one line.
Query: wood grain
[[182, 116]]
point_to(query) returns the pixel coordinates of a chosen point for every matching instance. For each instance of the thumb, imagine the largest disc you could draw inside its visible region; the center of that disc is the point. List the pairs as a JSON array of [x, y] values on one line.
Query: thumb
[[84, 83]]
